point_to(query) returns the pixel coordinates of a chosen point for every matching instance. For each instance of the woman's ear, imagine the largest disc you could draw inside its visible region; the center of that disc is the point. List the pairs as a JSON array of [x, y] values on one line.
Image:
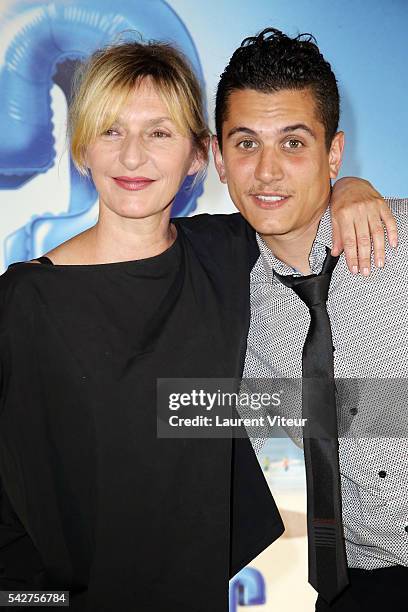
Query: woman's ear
[[200, 159], [85, 163]]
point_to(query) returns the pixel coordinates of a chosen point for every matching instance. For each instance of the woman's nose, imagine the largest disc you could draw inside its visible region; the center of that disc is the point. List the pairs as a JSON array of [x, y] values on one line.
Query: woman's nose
[[132, 153]]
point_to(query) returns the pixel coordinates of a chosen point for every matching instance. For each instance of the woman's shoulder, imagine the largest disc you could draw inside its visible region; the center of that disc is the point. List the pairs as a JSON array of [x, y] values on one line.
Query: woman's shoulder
[[18, 272], [224, 240], [23, 276], [18, 281], [206, 228]]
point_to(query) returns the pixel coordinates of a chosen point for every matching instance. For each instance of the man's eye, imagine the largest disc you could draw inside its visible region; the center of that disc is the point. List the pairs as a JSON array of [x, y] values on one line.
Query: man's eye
[[247, 144], [293, 144]]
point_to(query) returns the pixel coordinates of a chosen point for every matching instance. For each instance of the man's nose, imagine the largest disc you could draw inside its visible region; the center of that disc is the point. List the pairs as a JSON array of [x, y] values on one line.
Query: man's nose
[[269, 167], [132, 153]]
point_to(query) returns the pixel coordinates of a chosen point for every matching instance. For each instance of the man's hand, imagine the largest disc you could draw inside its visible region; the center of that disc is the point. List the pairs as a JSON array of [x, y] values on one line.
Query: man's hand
[[358, 214]]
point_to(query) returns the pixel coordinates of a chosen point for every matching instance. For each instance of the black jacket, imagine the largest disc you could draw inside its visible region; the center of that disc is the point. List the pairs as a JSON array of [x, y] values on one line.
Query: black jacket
[[188, 527]]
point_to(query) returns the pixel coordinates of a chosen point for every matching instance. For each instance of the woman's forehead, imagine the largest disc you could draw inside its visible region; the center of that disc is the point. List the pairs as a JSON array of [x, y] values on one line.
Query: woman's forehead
[[146, 103]]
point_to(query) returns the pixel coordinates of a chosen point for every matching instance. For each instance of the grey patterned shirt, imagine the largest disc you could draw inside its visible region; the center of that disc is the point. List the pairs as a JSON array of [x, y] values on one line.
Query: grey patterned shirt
[[369, 323]]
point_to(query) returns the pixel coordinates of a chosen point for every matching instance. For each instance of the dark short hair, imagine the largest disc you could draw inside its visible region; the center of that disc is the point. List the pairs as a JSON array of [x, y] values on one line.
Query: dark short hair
[[271, 62]]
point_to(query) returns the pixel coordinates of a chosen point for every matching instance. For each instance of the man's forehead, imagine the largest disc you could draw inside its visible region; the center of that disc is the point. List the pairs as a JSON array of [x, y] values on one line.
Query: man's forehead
[[257, 113], [258, 105]]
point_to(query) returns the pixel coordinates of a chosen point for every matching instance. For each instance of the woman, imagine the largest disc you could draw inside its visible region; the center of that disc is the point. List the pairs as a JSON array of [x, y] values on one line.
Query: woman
[[92, 500]]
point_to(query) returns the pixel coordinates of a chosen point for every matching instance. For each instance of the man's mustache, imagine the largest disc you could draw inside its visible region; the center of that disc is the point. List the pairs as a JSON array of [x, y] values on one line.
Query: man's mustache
[[271, 189]]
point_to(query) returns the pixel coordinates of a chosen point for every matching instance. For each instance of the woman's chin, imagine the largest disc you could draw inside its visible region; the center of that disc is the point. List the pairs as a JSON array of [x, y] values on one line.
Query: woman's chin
[[138, 210]]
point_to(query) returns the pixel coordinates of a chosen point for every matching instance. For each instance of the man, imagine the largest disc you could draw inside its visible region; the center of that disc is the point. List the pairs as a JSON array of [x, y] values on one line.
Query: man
[[277, 148]]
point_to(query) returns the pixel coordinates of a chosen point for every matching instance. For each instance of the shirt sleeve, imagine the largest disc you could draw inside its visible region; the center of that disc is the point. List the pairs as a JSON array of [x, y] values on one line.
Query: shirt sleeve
[[399, 208]]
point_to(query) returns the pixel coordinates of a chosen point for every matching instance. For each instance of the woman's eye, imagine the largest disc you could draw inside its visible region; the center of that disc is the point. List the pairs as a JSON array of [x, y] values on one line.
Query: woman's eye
[[110, 132], [160, 134], [247, 144], [293, 144]]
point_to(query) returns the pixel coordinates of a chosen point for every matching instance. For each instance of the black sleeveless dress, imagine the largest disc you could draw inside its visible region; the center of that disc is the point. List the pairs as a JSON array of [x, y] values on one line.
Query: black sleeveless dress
[[91, 501]]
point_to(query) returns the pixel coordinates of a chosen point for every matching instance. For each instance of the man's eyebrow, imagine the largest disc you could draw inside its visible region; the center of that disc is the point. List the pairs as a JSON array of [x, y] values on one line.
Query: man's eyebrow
[[298, 126], [284, 130], [242, 129]]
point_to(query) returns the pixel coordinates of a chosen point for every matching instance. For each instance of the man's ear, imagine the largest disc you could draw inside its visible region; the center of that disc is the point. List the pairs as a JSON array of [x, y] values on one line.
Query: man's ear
[[336, 154], [218, 161]]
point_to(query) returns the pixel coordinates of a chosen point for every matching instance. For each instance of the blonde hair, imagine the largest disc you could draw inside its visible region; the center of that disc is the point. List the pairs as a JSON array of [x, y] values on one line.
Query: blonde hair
[[103, 83]]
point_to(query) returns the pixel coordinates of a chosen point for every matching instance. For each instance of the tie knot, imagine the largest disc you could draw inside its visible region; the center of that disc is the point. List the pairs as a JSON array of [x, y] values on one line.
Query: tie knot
[[314, 288]]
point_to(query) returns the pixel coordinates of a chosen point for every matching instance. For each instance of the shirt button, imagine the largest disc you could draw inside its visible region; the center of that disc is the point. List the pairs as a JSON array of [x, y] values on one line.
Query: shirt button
[[382, 474], [353, 411]]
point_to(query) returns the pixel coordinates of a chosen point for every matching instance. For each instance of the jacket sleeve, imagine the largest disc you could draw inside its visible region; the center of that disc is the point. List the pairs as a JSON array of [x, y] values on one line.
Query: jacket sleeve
[[19, 559], [255, 519]]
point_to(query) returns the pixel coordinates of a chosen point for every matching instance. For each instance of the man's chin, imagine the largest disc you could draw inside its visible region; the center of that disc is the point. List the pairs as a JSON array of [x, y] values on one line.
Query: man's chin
[[264, 221], [267, 227]]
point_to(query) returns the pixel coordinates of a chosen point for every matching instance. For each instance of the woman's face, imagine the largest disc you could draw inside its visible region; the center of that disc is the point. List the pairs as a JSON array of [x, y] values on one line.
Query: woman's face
[[139, 164]]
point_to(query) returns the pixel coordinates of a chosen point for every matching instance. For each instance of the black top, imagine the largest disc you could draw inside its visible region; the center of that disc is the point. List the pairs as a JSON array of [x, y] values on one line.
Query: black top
[[91, 500]]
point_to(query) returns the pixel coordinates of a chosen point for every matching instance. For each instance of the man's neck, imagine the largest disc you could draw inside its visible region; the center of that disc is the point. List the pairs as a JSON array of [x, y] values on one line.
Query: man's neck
[[294, 247]]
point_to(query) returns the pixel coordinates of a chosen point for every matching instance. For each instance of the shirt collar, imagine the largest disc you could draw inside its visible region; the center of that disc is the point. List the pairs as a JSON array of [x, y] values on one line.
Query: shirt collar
[[269, 264], [324, 231]]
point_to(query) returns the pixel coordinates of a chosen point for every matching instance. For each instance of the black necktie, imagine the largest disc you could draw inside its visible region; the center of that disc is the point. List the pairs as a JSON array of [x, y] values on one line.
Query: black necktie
[[327, 556]]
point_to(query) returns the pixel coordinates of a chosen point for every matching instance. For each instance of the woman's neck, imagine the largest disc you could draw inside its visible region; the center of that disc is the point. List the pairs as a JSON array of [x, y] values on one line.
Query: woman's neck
[[116, 238]]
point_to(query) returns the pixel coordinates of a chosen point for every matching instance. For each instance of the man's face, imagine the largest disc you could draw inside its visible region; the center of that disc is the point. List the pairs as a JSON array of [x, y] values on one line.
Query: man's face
[[275, 160]]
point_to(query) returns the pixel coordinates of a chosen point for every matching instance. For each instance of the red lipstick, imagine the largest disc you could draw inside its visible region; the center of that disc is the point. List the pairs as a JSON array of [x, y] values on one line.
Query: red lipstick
[[131, 183]]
